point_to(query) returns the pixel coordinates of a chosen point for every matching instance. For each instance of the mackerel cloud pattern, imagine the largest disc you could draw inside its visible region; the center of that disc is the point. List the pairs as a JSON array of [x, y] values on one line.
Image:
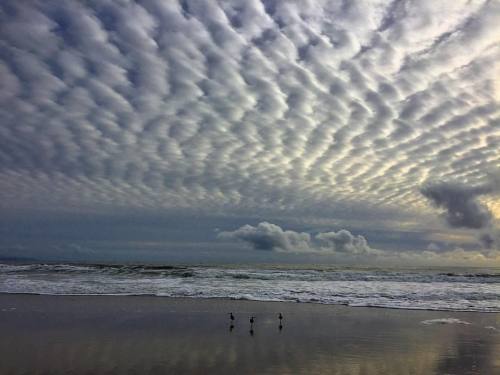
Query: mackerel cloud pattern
[[246, 106]]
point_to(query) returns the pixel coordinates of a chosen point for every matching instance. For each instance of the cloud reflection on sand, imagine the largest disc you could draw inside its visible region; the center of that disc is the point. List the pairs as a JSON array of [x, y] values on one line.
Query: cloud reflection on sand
[[110, 335]]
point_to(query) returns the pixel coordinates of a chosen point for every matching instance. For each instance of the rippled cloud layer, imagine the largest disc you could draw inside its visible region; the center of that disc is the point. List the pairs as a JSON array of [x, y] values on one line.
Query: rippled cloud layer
[[339, 110]]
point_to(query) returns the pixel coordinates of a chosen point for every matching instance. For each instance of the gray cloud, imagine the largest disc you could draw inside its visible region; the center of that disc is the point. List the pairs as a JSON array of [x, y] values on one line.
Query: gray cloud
[[464, 210], [267, 236], [344, 241], [487, 240], [459, 201], [490, 240]]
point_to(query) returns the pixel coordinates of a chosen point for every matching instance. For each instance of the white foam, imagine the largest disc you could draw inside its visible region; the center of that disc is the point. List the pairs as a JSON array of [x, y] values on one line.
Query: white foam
[[375, 288], [445, 321]]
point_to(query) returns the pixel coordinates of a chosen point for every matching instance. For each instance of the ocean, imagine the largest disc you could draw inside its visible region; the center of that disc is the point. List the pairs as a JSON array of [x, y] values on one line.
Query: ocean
[[451, 289]]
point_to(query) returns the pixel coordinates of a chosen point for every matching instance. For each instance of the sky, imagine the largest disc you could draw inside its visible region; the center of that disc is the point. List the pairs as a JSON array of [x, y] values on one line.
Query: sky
[[251, 131]]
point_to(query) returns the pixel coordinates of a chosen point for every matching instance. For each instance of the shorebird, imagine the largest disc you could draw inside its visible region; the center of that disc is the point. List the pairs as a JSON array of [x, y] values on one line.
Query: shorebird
[[252, 319], [280, 317], [231, 316]]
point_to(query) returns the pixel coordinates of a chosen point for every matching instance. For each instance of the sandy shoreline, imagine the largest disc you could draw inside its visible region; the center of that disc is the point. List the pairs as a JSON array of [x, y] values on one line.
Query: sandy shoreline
[[180, 301], [141, 334], [222, 299]]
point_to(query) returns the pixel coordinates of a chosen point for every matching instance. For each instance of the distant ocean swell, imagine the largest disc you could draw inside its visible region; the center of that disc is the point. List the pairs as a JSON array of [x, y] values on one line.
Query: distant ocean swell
[[405, 289]]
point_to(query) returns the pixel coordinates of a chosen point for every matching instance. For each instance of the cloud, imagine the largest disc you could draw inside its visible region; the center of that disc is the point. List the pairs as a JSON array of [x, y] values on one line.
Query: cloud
[[459, 201], [245, 108], [464, 210], [267, 236], [344, 242], [343, 245], [490, 240], [433, 247], [487, 240]]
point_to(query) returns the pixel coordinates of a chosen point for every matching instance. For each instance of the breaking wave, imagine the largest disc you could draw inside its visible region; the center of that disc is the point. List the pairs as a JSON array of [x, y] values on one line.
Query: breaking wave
[[405, 289]]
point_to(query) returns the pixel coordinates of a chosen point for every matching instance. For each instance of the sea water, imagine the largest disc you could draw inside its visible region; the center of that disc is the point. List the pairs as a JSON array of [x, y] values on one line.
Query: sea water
[[432, 289]]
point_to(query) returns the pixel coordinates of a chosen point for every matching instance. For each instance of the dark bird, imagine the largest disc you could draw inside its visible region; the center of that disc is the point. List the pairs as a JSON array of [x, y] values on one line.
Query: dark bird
[[252, 319], [280, 317], [231, 316]]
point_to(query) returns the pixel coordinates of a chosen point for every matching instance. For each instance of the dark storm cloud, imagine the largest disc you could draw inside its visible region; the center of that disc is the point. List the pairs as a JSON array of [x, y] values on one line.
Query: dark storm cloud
[[463, 208], [460, 203]]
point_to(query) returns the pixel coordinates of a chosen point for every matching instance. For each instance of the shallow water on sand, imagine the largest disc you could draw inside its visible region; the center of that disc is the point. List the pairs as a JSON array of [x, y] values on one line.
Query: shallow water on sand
[[147, 335]]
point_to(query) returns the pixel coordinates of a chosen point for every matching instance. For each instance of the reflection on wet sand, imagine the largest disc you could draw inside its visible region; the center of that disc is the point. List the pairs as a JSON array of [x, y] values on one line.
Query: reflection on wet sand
[[153, 335]]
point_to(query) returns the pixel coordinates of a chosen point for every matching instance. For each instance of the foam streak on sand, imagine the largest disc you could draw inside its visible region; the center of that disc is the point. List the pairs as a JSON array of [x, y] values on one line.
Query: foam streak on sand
[[445, 321], [404, 289]]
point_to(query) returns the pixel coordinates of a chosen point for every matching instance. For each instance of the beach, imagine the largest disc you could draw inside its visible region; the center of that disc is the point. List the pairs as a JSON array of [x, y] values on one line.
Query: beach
[[159, 335]]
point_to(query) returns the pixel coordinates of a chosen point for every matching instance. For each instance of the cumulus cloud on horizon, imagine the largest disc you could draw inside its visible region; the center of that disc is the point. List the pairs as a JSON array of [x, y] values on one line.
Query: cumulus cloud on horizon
[[271, 237], [345, 245]]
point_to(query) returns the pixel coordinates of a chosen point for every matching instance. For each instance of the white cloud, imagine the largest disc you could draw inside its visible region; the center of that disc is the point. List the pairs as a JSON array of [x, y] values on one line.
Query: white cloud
[[267, 236], [344, 242]]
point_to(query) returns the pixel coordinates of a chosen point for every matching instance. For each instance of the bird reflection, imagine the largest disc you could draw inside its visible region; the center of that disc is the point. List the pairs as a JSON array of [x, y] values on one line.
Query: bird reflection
[[231, 327], [252, 320], [280, 327]]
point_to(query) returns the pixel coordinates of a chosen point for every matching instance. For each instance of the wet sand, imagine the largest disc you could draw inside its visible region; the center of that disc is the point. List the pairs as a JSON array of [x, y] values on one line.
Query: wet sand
[[151, 335]]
